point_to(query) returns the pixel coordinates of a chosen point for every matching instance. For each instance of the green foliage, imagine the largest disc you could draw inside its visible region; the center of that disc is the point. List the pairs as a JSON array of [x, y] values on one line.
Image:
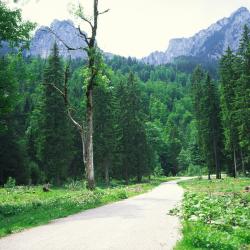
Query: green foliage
[[12, 28], [53, 125], [196, 170], [235, 94], [216, 215], [158, 171], [11, 183], [206, 108]]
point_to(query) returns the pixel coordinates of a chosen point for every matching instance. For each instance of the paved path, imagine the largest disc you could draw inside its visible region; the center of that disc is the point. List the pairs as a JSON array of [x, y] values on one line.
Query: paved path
[[138, 223]]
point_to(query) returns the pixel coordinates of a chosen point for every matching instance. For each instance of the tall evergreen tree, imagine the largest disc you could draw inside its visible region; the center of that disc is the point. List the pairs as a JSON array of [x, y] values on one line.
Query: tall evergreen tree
[[214, 131], [55, 129], [103, 132], [207, 114], [242, 97], [228, 77], [11, 158], [132, 138]]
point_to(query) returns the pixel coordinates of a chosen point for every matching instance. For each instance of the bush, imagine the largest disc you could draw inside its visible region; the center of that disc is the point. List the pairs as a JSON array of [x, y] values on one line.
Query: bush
[[11, 183], [196, 170], [158, 171], [75, 185]]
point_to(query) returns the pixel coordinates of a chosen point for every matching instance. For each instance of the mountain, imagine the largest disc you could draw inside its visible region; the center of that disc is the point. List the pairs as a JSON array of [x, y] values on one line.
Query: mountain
[[209, 43], [60, 32]]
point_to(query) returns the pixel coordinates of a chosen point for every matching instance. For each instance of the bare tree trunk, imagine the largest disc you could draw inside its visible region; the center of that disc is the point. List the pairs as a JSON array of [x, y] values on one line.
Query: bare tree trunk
[[89, 141], [85, 132]]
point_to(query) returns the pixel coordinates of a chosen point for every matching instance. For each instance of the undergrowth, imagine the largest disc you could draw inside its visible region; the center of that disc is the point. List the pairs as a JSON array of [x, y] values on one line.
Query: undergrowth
[[216, 215]]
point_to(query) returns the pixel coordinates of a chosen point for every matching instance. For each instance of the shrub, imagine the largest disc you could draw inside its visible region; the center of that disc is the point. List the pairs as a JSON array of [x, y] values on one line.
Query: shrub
[[11, 183], [75, 185], [158, 171]]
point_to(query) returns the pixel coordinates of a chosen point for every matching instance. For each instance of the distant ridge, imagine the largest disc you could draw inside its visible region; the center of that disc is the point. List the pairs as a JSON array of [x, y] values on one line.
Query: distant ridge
[[209, 43]]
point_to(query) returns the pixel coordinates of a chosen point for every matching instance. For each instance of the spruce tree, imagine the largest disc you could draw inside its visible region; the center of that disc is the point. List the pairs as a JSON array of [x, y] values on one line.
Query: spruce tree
[[214, 131], [228, 77], [242, 99], [11, 158], [104, 140], [207, 113], [133, 145], [56, 136]]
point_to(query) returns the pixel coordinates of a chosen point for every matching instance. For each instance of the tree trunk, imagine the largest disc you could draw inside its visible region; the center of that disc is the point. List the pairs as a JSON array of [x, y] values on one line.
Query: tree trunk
[[235, 164], [139, 178], [126, 175], [209, 172], [89, 141], [209, 175], [106, 173], [218, 174], [243, 163]]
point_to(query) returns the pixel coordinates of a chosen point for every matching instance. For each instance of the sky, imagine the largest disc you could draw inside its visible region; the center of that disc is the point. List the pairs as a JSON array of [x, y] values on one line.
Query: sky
[[136, 27]]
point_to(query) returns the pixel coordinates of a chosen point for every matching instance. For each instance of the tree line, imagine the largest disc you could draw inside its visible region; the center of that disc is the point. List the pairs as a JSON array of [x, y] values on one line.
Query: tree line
[[146, 119], [222, 111]]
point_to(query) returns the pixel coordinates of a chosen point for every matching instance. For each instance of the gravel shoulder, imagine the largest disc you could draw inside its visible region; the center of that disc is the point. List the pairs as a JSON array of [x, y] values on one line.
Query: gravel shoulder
[[137, 223]]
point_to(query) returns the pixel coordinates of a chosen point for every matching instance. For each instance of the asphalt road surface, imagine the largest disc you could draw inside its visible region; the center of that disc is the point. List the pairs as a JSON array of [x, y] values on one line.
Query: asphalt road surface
[[137, 223]]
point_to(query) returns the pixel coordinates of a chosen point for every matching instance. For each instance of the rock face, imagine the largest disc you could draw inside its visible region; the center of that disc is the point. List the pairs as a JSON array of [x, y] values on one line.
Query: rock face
[[60, 32], [209, 43]]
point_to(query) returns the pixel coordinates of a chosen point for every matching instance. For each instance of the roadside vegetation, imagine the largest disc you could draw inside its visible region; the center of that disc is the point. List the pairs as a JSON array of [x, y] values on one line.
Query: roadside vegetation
[[216, 214], [24, 207]]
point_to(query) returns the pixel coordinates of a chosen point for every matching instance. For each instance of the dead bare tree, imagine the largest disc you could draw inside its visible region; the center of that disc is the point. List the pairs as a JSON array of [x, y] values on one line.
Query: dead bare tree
[[85, 129]]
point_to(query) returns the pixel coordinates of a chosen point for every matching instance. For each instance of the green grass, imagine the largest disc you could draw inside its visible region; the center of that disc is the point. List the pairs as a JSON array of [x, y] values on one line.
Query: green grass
[[24, 207], [216, 215]]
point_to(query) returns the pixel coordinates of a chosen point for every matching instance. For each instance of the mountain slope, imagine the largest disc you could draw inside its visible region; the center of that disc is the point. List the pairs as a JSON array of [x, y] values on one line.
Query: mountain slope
[[209, 43], [60, 32]]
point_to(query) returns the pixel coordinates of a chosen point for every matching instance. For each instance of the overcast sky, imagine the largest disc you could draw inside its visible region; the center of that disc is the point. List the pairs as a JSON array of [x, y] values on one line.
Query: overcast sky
[[138, 27]]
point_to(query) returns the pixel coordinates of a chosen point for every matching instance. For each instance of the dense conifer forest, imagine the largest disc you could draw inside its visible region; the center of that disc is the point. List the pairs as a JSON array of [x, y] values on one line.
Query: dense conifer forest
[[147, 119]]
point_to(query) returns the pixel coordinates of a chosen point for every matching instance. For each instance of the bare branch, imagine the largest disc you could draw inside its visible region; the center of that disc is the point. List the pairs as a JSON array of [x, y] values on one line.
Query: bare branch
[[103, 12], [56, 88], [66, 45], [84, 35], [84, 18], [78, 126]]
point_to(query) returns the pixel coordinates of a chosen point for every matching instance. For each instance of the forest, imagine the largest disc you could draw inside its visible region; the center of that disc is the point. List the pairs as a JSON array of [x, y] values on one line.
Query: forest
[[147, 120]]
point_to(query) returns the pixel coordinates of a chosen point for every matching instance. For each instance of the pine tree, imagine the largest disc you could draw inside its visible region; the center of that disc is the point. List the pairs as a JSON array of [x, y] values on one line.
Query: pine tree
[[132, 144], [197, 78], [55, 130], [103, 132], [212, 109], [242, 97], [228, 77], [11, 158], [207, 114]]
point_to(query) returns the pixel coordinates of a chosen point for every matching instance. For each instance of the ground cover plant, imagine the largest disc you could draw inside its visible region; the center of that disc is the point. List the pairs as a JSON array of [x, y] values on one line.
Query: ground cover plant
[[216, 214], [23, 207]]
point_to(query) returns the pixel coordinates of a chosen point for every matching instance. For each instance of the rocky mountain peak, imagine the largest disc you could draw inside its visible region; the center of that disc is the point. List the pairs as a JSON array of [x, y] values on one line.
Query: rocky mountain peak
[[240, 11], [209, 43], [60, 32]]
